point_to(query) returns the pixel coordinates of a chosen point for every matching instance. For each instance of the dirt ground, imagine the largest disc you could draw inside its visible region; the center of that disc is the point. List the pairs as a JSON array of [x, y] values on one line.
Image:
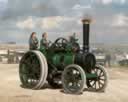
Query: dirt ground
[[11, 91]]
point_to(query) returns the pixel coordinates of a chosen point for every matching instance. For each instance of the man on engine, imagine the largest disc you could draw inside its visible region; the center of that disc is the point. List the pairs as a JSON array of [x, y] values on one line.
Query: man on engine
[[74, 42], [44, 41], [33, 41]]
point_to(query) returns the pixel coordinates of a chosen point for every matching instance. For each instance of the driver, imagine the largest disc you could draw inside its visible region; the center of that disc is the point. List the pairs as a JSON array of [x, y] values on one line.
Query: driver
[[74, 42], [44, 41], [72, 38]]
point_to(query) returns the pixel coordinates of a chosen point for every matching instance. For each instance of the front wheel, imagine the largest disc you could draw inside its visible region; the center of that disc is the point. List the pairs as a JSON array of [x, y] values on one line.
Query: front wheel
[[73, 79], [100, 82]]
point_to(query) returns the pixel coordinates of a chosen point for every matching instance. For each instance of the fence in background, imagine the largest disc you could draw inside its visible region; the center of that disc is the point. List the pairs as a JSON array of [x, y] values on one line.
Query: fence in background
[[11, 56]]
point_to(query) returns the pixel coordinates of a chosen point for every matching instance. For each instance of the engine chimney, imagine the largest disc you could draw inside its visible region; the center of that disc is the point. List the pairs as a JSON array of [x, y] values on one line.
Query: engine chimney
[[86, 30]]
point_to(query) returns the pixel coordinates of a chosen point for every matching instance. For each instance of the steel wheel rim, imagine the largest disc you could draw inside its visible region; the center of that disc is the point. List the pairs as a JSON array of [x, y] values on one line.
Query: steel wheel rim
[[44, 70], [73, 79], [99, 83], [28, 75]]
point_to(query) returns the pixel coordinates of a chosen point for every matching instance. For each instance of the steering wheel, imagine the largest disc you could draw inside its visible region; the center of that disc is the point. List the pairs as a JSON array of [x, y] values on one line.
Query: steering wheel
[[60, 42]]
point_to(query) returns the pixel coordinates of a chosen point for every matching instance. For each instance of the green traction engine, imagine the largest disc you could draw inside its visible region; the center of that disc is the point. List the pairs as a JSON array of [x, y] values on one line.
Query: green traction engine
[[63, 65]]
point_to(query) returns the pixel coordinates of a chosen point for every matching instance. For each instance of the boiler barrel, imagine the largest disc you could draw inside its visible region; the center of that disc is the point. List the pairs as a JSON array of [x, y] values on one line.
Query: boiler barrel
[[86, 60]]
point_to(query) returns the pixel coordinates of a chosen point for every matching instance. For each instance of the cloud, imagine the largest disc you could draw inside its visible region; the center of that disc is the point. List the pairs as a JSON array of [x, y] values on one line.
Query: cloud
[[58, 17], [3, 1], [26, 24], [77, 6], [123, 1], [49, 22], [58, 23], [3, 6], [102, 2], [46, 23], [23, 8], [106, 2], [120, 20], [43, 23]]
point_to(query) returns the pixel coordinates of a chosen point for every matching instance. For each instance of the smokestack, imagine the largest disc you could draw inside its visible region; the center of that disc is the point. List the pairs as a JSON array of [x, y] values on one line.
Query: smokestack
[[86, 30]]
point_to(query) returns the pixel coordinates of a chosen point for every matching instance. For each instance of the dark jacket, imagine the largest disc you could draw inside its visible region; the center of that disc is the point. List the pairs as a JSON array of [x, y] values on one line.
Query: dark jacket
[[33, 43], [44, 42]]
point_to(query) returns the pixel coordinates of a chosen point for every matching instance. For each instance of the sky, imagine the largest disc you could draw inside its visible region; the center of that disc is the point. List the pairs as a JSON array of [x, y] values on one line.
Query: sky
[[60, 18]]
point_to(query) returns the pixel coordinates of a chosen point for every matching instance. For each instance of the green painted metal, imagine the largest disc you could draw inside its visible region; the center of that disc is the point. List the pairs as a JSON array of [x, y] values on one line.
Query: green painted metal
[[91, 75], [61, 58], [69, 59], [56, 59], [43, 50]]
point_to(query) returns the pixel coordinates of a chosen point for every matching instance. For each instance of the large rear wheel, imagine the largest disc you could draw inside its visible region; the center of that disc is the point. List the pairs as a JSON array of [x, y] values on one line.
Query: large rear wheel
[[33, 70]]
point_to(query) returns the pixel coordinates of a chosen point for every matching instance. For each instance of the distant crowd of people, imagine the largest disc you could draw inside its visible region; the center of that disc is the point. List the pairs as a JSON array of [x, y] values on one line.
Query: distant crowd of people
[[108, 60]]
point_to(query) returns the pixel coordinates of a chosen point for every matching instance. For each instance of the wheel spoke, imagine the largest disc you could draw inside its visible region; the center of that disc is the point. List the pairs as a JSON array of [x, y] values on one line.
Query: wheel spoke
[[90, 80], [94, 83], [101, 81], [100, 72]]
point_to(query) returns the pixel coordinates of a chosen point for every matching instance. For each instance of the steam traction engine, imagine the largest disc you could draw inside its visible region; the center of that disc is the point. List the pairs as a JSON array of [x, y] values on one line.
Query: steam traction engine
[[63, 64]]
